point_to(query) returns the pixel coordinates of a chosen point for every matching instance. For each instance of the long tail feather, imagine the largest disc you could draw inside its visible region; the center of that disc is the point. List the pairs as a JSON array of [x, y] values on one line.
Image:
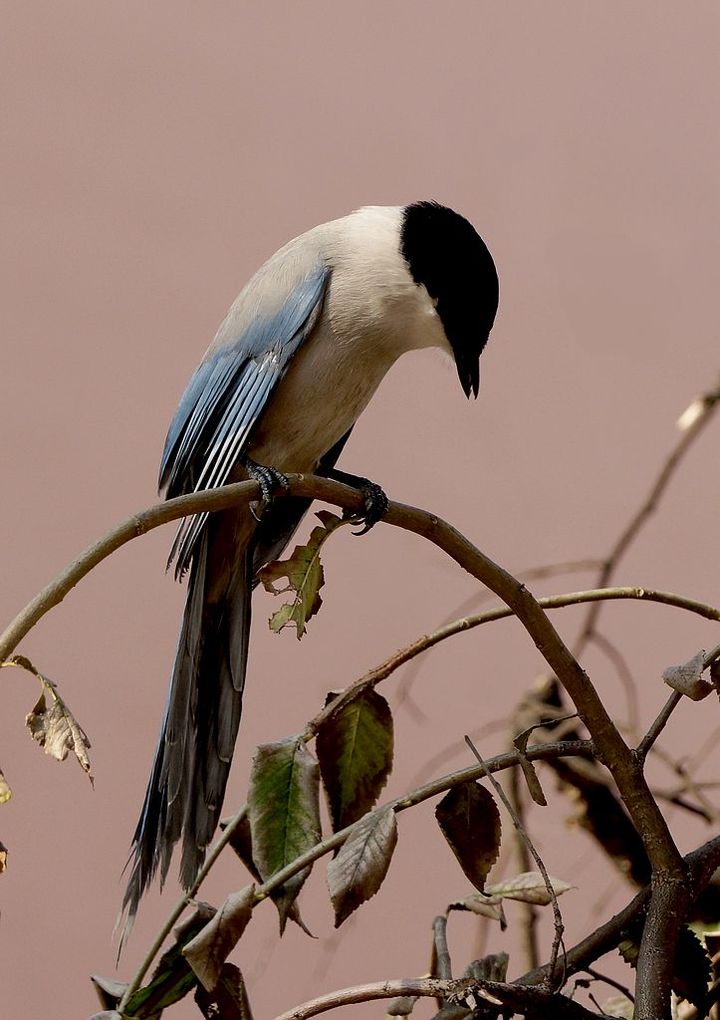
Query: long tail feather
[[201, 719]]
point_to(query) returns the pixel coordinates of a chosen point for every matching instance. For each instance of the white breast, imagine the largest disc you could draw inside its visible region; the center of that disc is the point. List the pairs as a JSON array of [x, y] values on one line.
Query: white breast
[[373, 313]]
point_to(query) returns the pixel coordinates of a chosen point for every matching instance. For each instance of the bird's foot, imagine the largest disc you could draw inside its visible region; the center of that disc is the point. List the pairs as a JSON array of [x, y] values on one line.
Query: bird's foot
[[375, 500], [376, 504], [270, 480]]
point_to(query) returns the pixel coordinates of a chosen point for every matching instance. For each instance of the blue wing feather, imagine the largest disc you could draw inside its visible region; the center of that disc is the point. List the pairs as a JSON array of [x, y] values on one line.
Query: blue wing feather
[[224, 399]]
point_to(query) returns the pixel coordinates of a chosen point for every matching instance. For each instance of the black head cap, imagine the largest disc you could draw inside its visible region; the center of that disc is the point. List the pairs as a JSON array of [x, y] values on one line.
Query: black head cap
[[446, 254]]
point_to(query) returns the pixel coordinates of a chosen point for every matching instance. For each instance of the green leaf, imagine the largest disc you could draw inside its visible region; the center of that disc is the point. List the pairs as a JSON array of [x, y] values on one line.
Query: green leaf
[[241, 842], [228, 1000], [358, 871], [209, 949], [305, 576], [284, 813], [470, 822], [173, 977], [355, 752]]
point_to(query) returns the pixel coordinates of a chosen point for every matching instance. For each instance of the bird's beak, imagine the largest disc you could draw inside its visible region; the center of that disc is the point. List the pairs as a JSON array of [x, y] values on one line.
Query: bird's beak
[[468, 369]]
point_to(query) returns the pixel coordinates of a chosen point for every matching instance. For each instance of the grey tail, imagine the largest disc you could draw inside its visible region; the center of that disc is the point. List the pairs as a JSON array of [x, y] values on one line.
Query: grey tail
[[200, 723]]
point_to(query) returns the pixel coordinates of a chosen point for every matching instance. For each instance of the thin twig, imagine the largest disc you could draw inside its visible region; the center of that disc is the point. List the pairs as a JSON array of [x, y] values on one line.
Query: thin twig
[[701, 865], [184, 901], [623, 989], [659, 723], [422, 644], [622, 669], [706, 406], [443, 964], [522, 831], [529, 912], [478, 598]]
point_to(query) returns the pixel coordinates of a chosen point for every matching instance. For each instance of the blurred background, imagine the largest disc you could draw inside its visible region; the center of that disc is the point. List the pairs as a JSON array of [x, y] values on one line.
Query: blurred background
[[152, 156]]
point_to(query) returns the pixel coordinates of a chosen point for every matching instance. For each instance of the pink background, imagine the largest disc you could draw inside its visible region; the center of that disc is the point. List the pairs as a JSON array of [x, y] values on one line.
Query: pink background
[[152, 156]]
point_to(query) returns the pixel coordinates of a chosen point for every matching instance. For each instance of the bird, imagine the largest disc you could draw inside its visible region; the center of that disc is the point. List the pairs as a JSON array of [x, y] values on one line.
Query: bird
[[294, 363]]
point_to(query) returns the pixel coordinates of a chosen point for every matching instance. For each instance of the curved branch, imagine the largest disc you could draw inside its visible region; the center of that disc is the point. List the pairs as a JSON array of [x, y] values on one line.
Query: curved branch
[[655, 960], [532, 1002], [379, 673]]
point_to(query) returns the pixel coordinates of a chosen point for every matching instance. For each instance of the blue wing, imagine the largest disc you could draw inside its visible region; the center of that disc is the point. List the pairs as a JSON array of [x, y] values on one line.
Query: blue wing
[[224, 399]]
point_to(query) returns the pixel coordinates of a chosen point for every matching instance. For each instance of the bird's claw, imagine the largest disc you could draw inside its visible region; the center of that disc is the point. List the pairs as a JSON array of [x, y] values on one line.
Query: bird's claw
[[270, 480], [375, 507]]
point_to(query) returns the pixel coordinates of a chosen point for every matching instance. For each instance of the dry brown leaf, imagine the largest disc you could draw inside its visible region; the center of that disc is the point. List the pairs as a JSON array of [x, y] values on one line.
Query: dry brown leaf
[[688, 678], [5, 791], [56, 729], [207, 951]]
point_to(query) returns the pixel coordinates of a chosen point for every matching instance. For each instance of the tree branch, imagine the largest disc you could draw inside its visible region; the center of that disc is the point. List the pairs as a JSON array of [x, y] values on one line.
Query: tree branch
[[533, 1003], [702, 410], [654, 963]]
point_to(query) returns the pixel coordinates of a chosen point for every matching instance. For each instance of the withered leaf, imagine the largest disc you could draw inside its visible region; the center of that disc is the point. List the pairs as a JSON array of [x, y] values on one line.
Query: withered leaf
[[470, 822], [305, 577], [3, 858], [403, 1005], [173, 977], [485, 906], [529, 887], [54, 726], [109, 990], [284, 813], [688, 678], [492, 967], [5, 791], [229, 998], [619, 1006], [209, 949], [528, 769], [358, 871], [355, 752]]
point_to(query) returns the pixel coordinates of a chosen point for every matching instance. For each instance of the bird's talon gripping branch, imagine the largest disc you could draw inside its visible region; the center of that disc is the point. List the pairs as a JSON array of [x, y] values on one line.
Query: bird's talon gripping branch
[[376, 504], [270, 480]]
